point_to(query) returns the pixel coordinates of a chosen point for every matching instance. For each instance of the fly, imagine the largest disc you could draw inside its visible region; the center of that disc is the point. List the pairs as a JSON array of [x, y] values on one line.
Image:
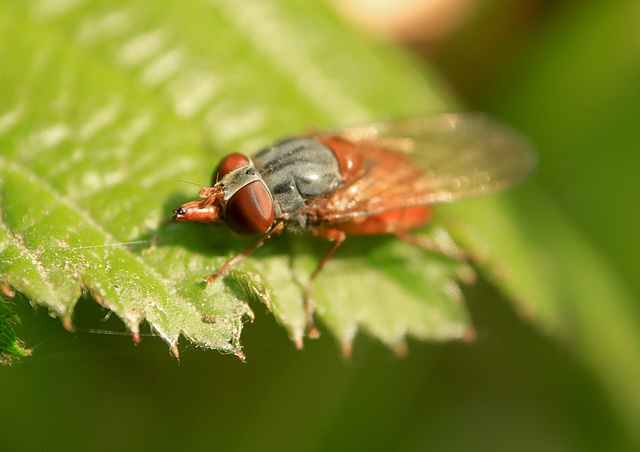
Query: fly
[[380, 178]]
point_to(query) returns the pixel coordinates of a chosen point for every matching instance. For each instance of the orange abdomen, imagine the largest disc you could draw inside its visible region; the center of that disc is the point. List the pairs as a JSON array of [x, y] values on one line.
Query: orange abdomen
[[388, 222]]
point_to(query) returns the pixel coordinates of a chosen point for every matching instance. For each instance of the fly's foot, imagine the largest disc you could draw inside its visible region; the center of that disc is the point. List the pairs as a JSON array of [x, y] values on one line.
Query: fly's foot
[[212, 278]]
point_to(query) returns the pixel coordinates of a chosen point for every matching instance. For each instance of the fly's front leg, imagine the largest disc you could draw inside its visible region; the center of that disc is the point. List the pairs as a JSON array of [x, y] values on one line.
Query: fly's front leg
[[338, 237], [278, 228]]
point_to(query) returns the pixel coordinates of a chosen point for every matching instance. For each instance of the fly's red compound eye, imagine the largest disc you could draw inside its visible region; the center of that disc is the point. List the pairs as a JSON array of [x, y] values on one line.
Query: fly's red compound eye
[[228, 164], [250, 210]]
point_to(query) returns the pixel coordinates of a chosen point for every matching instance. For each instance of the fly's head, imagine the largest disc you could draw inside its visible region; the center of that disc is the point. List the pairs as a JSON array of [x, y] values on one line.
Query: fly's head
[[238, 199]]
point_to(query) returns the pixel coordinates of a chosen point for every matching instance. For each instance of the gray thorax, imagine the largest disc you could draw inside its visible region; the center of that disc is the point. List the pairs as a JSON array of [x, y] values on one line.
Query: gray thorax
[[296, 170]]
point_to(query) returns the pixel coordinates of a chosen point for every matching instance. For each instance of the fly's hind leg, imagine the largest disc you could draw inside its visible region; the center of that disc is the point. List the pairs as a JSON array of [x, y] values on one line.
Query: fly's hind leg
[[338, 237]]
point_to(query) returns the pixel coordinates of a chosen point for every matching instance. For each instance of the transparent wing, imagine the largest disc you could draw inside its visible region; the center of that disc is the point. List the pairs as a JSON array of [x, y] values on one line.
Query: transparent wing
[[459, 155]]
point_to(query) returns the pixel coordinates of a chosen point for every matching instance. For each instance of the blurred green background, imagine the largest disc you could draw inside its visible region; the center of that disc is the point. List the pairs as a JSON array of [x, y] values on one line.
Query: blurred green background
[[566, 73]]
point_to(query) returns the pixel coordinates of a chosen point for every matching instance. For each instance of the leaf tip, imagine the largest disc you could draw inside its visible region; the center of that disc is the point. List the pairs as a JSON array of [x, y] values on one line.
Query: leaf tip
[[401, 349], [67, 321], [347, 350], [240, 354], [470, 335], [313, 333], [7, 291]]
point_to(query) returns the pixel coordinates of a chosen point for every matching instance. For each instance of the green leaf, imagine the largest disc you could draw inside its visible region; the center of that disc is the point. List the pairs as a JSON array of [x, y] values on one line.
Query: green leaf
[[106, 106], [10, 347]]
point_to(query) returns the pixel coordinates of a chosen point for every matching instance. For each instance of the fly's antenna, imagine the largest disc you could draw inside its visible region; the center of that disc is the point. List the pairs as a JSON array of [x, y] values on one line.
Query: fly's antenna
[[191, 183]]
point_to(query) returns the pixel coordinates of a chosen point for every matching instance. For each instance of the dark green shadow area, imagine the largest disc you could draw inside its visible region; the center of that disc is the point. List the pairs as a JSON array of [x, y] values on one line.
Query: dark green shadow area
[[511, 389]]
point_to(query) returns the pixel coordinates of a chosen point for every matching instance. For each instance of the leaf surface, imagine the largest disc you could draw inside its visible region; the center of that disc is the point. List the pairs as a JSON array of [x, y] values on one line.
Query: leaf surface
[[107, 106]]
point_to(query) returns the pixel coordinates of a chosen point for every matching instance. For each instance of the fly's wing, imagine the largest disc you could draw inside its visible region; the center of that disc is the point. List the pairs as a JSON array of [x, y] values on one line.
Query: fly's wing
[[456, 156], [460, 155]]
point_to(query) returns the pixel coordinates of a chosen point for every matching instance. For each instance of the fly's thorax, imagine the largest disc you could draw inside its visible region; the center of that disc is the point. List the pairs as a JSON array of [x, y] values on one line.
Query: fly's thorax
[[296, 170]]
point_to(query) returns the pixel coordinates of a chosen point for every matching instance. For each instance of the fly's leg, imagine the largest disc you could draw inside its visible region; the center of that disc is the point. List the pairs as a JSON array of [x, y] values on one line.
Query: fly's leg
[[278, 228], [442, 243], [338, 237]]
